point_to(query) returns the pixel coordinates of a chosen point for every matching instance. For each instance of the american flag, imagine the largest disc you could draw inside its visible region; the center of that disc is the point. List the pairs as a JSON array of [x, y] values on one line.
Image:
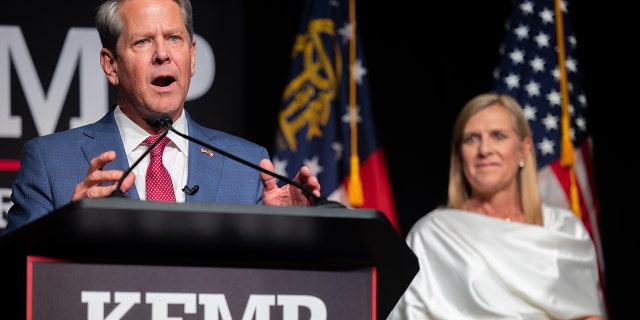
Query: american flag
[[529, 71], [326, 121]]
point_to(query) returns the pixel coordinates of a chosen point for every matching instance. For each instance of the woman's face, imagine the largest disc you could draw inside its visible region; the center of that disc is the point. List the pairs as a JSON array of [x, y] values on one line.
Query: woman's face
[[492, 151]]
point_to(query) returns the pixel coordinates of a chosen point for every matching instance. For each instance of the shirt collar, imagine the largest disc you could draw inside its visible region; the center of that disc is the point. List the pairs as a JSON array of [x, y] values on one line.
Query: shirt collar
[[132, 135]]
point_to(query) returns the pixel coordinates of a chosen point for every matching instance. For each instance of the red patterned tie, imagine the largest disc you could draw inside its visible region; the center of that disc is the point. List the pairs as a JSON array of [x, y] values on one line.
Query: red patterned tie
[[159, 185]]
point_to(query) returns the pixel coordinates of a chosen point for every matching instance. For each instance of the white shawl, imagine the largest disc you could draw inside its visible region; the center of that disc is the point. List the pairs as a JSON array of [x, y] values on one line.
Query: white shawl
[[474, 266]]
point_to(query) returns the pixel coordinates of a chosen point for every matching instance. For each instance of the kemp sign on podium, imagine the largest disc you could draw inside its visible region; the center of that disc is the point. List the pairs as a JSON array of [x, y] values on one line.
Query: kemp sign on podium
[[63, 290]]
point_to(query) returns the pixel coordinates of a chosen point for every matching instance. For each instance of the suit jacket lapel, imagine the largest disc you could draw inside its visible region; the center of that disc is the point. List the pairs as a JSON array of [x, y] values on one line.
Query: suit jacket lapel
[[104, 135], [205, 166]]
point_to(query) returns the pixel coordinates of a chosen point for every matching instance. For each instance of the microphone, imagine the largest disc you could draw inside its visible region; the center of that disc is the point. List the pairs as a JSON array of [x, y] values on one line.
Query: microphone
[[154, 122], [166, 122], [190, 191]]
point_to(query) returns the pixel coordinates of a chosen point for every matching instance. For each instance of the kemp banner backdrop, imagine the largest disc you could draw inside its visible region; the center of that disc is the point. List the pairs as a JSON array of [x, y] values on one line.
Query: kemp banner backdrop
[[51, 80]]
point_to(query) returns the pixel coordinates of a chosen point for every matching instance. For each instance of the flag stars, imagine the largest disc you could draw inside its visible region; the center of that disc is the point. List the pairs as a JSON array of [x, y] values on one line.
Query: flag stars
[[550, 122], [542, 39], [501, 49], [563, 6], [346, 118], [280, 166], [526, 8], [529, 112], [583, 100], [338, 148], [521, 32], [512, 81], [554, 98], [555, 73], [572, 41], [581, 123], [359, 71], [545, 146], [572, 134], [533, 89], [537, 64], [496, 72], [571, 65], [314, 165], [517, 57], [546, 16], [345, 33]]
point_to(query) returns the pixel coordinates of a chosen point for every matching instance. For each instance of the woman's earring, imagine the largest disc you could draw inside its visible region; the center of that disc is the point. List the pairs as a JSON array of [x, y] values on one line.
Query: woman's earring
[[521, 164]]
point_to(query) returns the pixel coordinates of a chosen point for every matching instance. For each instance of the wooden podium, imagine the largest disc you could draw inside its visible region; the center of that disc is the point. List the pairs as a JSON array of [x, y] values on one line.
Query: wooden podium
[[214, 239]]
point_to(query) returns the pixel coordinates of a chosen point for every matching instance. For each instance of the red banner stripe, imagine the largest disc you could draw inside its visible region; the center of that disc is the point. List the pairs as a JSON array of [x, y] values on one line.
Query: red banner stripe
[[9, 165]]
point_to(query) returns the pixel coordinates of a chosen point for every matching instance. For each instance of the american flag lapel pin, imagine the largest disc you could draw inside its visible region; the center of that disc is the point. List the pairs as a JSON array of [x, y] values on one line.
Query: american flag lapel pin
[[203, 150]]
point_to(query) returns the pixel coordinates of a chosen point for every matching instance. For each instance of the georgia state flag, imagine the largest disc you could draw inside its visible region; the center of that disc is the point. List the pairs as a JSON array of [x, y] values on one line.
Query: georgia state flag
[[326, 122]]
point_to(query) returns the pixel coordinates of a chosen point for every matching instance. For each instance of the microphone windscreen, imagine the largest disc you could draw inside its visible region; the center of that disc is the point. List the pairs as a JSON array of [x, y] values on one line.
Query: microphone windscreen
[[153, 120], [165, 120], [159, 121]]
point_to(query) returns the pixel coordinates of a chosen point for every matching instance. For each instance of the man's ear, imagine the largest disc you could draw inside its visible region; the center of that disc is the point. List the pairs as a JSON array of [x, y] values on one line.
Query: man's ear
[[109, 65], [193, 57]]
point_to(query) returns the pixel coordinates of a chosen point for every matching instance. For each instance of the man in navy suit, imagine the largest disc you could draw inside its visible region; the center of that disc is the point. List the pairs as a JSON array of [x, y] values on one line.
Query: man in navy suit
[[149, 55]]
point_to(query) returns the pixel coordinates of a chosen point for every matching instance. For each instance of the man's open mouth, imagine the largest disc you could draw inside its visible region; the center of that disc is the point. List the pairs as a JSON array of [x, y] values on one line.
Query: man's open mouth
[[163, 81]]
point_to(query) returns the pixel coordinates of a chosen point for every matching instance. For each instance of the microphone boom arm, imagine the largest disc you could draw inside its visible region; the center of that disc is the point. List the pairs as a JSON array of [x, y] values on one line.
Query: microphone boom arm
[[245, 162], [321, 201]]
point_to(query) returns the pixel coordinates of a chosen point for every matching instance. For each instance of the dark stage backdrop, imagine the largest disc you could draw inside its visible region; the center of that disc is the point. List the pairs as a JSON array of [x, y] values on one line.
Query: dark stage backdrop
[[424, 61]]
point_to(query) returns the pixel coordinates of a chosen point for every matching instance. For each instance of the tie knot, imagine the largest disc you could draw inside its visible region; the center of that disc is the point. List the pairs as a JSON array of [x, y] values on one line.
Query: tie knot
[[150, 140]]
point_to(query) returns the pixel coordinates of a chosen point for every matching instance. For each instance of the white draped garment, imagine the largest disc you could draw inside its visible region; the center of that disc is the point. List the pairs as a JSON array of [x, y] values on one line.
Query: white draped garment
[[474, 266]]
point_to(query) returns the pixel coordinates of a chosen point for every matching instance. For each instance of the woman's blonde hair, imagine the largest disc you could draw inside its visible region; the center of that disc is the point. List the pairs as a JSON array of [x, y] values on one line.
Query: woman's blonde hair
[[459, 188]]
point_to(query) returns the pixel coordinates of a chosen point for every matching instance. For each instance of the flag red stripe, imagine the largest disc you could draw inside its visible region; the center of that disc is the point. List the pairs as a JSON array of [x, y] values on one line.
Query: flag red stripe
[[375, 186], [564, 178], [585, 150], [587, 201]]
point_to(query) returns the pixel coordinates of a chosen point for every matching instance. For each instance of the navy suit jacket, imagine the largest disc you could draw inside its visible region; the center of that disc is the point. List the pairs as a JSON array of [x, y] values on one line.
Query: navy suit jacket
[[51, 166]]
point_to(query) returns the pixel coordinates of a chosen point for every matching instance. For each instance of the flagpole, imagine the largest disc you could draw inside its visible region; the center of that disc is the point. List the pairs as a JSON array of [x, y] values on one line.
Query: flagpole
[[567, 158], [566, 149], [356, 197]]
